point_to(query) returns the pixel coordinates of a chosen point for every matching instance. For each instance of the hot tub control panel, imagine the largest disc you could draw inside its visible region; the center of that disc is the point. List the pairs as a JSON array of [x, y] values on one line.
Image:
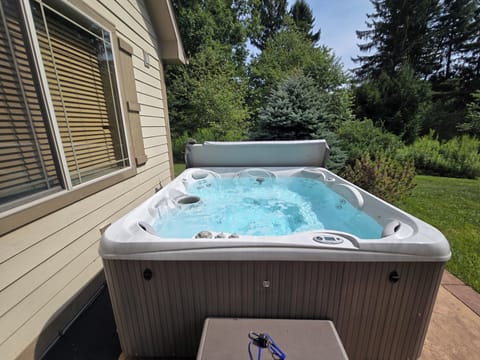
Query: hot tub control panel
[[328, 239]]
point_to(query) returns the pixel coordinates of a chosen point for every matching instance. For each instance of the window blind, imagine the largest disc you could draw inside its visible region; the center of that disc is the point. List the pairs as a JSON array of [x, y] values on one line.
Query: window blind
[[78, 63], [27, 163]]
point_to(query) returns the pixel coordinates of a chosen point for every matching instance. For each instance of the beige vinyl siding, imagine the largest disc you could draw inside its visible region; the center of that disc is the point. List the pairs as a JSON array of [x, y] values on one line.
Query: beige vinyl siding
[[45, 263]]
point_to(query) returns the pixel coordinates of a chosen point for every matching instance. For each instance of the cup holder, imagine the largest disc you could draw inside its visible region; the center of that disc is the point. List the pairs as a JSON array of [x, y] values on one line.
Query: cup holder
[[188, 200]]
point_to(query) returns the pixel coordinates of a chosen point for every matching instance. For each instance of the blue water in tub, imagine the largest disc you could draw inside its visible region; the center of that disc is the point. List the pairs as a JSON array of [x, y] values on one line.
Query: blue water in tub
[[265, 207]]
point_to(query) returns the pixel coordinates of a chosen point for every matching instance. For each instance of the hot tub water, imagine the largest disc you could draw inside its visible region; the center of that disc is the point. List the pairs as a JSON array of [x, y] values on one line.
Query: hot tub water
[[262, 206]]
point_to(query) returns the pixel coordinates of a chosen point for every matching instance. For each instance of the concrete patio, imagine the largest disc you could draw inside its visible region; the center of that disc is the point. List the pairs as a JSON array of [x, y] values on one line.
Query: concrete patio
[[454, 331]]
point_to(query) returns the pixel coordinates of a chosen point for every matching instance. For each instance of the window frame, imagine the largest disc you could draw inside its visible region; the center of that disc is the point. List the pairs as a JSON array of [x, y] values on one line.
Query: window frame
[[36, 206]]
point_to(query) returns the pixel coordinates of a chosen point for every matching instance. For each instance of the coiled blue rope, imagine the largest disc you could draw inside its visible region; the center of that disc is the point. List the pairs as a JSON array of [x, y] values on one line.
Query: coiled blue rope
[[264, 341]]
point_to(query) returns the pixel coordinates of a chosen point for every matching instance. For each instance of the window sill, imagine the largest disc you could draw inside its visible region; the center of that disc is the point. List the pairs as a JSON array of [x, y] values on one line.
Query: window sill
[[14, 218]]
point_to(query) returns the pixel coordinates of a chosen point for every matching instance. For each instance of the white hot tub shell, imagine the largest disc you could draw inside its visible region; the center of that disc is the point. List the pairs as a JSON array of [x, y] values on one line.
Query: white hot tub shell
[[379, 293]]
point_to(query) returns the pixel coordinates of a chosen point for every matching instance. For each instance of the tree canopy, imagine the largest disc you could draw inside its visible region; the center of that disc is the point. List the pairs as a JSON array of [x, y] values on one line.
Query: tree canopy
[[439, 41], [291, 52], [271, 19], [399, 34], [419, 69]]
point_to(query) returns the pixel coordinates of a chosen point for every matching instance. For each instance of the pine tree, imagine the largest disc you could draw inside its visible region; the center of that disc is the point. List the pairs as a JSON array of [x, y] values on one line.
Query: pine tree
[[399, 33], [397, 103], [472, 117], [456, 33], [472, 47], [455, 29], [303, 18], [271, 14], [298, 110]]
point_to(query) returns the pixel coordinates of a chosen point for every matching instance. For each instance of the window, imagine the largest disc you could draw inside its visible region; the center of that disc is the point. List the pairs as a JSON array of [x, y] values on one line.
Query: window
[[60, 119], [27, 158]]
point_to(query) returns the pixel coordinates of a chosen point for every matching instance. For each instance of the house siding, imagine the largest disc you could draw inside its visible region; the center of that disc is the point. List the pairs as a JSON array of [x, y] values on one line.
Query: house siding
[[45, 264]]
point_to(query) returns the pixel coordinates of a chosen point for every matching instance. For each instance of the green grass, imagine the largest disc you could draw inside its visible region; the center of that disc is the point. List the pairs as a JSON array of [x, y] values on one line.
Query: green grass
[[178, 168], [452, 206]]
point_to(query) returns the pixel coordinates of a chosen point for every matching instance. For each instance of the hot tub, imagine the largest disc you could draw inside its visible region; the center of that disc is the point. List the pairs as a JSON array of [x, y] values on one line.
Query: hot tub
[[274, 235]]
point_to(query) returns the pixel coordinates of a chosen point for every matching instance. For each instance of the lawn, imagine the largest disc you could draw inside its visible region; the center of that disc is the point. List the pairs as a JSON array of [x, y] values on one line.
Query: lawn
[[178, 168], [452, 206]]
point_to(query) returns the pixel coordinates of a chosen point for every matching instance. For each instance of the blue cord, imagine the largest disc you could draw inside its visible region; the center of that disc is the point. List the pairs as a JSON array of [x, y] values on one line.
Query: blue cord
[[264, 341]]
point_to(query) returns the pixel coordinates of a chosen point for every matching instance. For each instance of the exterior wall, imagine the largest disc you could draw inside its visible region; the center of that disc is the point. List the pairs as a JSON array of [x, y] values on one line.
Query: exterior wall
[[49, 262]]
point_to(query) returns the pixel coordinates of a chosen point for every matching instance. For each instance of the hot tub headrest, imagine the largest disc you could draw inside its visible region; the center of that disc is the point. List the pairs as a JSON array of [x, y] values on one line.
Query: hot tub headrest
[[257, 153]]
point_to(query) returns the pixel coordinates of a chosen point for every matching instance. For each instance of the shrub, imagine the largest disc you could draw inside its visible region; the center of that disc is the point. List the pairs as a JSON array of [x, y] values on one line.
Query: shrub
[[358, 137], [382, 175], [396, 102], [457, 157], [472, 116], [338, 157]]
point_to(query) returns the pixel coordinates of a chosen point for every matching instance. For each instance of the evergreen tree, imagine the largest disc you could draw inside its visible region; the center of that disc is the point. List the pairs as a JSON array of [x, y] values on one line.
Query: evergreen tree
[[298, 110], [291, 52], [271, 16], [398, 103], [472, 118], [303, 18], [455, 28], [472, 48], [399, 33], [454, 81]]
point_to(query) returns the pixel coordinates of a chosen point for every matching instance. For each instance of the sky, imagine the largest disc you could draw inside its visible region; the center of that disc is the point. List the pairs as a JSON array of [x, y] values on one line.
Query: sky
[[338, 20]]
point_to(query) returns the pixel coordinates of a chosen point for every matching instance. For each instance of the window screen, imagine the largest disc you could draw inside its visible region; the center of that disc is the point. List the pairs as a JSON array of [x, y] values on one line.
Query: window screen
[[27, 161]]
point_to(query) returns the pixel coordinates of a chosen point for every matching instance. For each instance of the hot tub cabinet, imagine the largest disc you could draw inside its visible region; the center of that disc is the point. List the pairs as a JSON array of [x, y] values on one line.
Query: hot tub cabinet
[[379, 293]]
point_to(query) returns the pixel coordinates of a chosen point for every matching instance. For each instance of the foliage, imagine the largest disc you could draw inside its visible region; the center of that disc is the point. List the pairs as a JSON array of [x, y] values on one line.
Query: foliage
[[471, 67], [382, 175], [457, 157], [294, 110], [201, 135], [271, 15], [337, 157], [452, 206], [401, 33], [290, 52], [454, 28], [208, 93], [439, 40], [303, 18], [472, 118], [219, 98], [226, 22], [398, 103], [357, 137], [298, 110], [447, 108]]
